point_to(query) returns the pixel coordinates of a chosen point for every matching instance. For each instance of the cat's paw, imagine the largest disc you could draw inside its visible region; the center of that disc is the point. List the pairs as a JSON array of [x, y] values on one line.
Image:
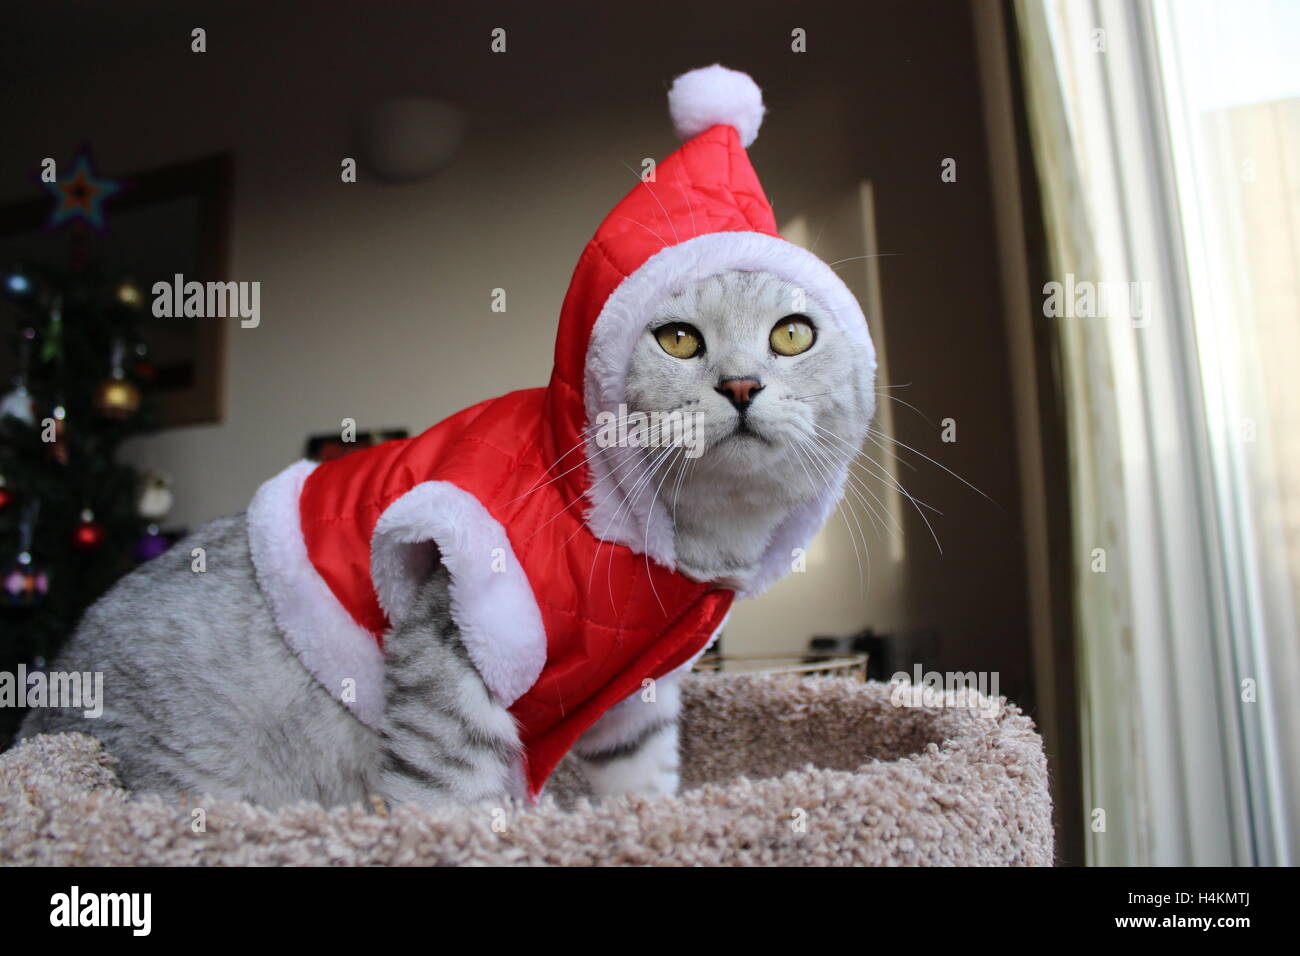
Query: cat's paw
[[649, 769]]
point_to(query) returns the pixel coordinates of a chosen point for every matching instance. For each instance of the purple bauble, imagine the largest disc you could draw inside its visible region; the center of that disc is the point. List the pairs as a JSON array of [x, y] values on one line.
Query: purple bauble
[[150, 545], [22, 585]]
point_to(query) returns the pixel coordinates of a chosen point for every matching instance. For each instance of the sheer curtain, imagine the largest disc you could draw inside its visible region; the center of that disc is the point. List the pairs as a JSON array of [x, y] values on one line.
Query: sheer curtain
[[1171, 220], [1231, 80]]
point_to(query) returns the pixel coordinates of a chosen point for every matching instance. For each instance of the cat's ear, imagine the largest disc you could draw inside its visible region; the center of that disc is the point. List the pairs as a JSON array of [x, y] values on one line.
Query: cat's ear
[[713, 96]]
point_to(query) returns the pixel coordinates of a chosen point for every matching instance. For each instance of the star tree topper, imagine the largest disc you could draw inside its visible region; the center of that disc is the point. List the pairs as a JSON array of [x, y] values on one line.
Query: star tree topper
[[80, 196]]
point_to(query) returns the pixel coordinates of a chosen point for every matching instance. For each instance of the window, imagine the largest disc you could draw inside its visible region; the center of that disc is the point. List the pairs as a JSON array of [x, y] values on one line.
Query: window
[[1166, 140]]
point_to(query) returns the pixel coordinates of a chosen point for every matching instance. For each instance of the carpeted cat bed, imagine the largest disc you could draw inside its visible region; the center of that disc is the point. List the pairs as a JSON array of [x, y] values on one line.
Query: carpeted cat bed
[[776, 770]]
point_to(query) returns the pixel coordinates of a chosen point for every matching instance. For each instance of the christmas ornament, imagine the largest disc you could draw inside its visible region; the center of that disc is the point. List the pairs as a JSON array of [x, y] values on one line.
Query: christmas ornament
[[118, 397], [18, 402], [144, 369], [89, 534], [58, 446], [80, 194], [155, 495], [6, 496], [129, 294], [151, 544], [52, 346], [19, 284], [22, 583]]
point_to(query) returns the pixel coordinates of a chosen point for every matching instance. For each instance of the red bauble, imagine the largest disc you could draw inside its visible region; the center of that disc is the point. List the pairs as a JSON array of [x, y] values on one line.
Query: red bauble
[[6, 498], [88, 536], [58, 448]]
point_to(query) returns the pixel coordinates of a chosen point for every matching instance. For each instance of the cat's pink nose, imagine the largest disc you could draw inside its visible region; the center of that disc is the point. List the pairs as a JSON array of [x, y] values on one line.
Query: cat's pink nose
[[740, 391]]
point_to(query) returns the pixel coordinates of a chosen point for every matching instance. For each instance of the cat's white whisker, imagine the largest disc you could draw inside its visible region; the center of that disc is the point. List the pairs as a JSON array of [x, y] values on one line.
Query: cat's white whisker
[[862, 588], [646, 228], [855, 484], [886, 476], [635, 494], [861, 456], [586, 435], [586, 460], [878, 255], [682, 471], [619, 420], [613, 471], [804, 398], [820, 230], [895, 398], [876, 433], [877, 470], [689, 208], [637, 462], [826, 469], [647, 469], [641, 180], [646, 536]]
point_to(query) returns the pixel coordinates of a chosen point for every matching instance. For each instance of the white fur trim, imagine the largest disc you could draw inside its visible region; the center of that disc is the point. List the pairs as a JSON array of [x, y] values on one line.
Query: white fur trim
[[330, 644], [715, 95], [644, 523], [491, 599]]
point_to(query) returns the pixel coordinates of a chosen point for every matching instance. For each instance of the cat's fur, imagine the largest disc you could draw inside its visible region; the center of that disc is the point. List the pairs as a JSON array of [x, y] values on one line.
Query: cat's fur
[[202, 694]]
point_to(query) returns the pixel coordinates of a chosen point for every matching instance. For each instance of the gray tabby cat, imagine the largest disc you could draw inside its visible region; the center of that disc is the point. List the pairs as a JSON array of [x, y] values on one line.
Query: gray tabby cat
[[203, 696]]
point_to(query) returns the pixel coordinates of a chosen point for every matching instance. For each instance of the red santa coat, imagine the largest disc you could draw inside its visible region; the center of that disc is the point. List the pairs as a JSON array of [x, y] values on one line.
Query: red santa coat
[[563, 574]]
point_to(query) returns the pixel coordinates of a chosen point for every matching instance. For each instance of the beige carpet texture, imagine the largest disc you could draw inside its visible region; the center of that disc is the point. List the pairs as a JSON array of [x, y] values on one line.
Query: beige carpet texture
[[776, 770]]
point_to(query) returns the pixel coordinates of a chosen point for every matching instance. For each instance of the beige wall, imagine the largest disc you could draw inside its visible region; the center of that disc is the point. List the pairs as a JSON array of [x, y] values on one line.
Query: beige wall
[[375, 298]]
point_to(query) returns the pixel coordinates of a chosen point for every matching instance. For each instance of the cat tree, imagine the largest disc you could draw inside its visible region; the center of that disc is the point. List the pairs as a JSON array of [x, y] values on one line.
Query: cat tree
[[776, 770]]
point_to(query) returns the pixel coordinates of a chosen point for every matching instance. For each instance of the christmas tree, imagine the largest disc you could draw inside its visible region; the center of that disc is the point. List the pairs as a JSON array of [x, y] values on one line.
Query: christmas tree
[[69, 521]]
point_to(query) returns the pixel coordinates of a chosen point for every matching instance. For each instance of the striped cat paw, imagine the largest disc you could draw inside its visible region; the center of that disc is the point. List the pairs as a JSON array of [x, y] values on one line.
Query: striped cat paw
[[646, 764]]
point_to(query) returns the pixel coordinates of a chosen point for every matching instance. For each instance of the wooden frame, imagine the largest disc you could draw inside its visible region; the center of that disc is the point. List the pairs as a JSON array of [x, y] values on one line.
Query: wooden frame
[[208, 181]]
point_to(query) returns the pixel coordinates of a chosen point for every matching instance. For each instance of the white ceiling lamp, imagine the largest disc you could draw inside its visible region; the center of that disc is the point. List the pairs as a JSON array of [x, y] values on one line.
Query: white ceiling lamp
[[406, 138]]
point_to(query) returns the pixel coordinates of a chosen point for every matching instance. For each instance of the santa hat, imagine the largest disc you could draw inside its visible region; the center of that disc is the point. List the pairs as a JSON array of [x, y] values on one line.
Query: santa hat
[[702, 212]]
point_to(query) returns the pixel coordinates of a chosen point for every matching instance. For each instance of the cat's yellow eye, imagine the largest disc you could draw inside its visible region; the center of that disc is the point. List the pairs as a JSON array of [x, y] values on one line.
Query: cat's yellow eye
[[680, 340], [792, 335]]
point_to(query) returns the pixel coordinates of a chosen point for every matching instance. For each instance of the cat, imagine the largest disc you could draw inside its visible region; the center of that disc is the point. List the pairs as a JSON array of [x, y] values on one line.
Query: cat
[[424, 621], [204, 696]]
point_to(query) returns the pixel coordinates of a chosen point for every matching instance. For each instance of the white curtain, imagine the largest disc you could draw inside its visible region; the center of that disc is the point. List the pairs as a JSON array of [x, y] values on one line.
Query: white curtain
[[1184, 586]]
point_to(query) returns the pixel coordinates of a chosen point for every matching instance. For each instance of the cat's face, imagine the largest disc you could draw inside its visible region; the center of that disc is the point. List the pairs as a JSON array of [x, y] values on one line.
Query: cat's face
[[763, 373]]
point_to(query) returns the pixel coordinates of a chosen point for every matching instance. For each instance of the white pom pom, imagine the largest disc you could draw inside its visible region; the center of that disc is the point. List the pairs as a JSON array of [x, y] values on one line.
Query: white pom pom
[[711, 95]]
